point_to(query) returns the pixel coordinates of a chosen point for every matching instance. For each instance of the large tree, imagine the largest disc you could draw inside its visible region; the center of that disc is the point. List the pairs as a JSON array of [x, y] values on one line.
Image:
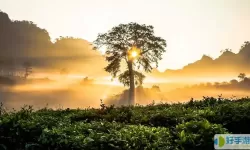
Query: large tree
[[136, 45]]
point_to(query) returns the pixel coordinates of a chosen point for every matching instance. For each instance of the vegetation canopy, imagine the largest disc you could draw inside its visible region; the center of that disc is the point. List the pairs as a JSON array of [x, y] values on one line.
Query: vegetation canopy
[[179, 126]]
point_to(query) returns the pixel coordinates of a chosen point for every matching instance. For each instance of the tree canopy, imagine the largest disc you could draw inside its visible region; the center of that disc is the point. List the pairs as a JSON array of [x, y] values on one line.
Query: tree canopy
[[121, 38]]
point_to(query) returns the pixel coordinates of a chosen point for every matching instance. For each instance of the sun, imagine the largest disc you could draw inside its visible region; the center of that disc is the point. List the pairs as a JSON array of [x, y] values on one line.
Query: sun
[[134, 54]]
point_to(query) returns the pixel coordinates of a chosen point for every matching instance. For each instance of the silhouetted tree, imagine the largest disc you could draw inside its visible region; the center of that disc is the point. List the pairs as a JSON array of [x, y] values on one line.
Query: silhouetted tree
[[242, 76], [226, 50], [134, 44], [156, 88], [233, 82], [87, 81], [64, 72], [224, 83], [217, 84], [246, 80], [245, 45], [27, 69], [208, 84], [202, 85]]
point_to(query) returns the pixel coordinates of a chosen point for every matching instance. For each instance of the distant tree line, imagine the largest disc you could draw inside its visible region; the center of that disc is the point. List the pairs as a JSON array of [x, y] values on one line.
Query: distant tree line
[[243, 83], [25, 42]]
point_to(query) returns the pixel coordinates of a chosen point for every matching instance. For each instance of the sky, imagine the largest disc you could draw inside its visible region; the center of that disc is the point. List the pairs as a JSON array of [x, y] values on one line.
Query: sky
[[191, 28]]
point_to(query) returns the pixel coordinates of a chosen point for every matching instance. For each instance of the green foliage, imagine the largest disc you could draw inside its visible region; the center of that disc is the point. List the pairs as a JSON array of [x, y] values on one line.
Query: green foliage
[[197, 135], [191, 125], [105, 135]]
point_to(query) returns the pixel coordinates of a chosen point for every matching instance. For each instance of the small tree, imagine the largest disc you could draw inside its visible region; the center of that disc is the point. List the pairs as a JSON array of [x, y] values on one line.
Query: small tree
[[27, 69], [136, 46], [64, 72], [87, 81], [217, 84], [242, 76], [226, 50], [156, 88]]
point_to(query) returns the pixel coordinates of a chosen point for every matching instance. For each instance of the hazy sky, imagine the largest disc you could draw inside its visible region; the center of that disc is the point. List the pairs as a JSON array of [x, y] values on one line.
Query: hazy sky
[[191, 27]]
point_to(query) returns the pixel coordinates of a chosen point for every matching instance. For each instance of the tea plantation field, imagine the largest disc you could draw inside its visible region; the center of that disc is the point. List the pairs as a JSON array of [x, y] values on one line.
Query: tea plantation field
[[189, 126]]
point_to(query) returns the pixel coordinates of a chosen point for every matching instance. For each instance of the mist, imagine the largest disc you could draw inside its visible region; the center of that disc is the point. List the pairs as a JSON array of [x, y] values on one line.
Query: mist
[[68, 92], [54, 95]]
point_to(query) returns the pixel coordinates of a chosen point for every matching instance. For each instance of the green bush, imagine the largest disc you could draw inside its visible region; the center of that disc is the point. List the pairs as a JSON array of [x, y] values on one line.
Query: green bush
[[105, 135], [197, 135], [235, 117]]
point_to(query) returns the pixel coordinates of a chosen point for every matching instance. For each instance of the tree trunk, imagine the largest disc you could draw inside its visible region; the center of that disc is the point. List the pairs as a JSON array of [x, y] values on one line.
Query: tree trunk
[[131, 84]]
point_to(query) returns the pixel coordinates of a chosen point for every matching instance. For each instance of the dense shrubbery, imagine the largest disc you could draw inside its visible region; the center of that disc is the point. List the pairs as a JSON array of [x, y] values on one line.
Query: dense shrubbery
[[178, 126]]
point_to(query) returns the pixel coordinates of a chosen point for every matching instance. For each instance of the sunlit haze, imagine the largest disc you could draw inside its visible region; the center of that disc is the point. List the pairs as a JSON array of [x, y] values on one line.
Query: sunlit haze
[[51, 58], [191, 28]]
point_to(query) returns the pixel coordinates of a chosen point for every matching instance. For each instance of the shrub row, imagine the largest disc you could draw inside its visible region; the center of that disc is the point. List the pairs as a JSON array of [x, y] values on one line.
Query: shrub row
[[179, 126], [234, 115]]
